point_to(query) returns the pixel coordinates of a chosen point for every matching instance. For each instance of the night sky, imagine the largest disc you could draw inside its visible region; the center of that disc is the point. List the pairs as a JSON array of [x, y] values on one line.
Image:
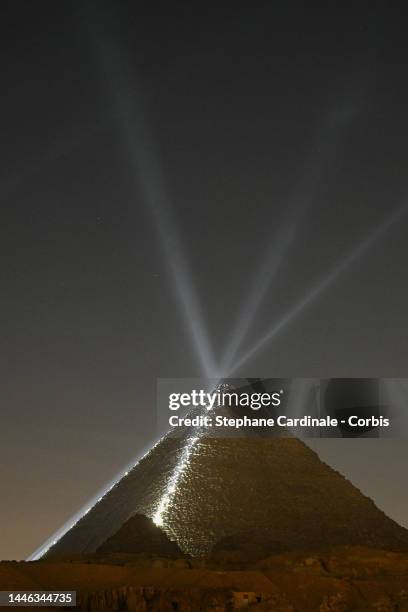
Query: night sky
[[244, 120]]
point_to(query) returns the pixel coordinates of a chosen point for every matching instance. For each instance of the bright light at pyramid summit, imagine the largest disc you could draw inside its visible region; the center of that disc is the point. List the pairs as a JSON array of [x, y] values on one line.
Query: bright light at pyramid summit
[[324, 284]]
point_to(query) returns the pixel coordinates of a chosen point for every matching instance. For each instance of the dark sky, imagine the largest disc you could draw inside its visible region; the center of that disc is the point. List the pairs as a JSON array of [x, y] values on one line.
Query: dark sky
[[248, 113]]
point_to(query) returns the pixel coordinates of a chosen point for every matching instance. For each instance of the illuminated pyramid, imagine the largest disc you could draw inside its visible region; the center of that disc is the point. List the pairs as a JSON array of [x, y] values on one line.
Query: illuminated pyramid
[[203, 490]]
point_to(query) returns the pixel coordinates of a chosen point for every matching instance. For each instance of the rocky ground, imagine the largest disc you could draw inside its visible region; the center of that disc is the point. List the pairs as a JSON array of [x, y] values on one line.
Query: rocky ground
[[346, 579]]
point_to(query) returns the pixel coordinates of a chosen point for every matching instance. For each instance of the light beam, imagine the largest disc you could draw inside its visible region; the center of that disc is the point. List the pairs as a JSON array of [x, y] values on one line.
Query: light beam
[[328, 142], [149, 179], [324, 284]]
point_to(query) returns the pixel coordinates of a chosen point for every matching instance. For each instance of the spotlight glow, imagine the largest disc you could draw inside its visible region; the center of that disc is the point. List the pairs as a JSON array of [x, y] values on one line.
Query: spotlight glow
[[158, 517]]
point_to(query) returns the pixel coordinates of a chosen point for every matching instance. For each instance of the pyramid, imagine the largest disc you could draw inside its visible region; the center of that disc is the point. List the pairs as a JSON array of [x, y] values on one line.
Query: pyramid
[[229, 487], [139, 535]]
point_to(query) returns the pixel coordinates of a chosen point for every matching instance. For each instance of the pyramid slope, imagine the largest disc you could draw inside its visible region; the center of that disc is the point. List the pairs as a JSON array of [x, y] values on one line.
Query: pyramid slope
[[277, 487], [138, 492]]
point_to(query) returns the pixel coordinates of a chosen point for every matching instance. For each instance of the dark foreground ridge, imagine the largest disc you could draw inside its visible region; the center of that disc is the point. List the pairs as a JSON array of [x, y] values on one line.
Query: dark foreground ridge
[[347, 579]]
